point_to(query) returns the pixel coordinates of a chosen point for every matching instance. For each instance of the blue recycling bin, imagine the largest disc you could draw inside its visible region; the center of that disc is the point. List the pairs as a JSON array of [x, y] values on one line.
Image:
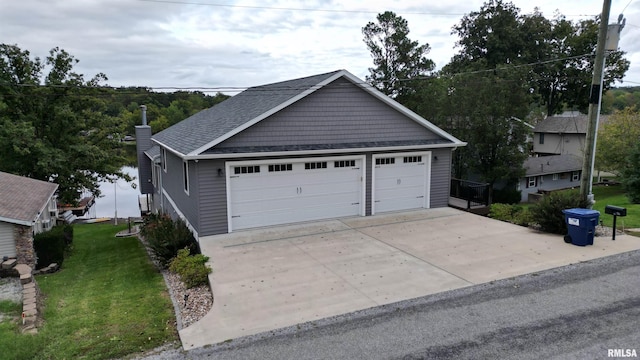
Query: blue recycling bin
[[581, 225]]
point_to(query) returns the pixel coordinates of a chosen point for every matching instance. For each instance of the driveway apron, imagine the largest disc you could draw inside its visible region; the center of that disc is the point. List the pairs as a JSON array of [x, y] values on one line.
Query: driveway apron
[[275, 277]]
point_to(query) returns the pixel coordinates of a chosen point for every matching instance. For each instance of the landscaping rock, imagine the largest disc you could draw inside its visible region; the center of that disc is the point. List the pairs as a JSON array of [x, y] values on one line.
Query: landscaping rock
[[9, 264]]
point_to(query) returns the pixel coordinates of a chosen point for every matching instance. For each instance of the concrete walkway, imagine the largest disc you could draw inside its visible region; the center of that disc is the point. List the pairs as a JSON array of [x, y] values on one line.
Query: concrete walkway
[[281, 276]]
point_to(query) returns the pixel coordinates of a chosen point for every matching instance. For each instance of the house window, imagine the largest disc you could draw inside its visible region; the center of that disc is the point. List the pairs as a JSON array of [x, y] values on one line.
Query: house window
[[541, 138], [280, 167], [246, 169], [532, 181], [164, 160], [575, 176], [555, 177], [385, 161], [412, 159], [315, 165], [344, 163], [185, 176]]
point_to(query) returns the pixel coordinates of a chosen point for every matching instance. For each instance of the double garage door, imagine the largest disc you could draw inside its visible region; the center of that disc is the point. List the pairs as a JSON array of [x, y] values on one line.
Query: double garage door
[[273, 192]]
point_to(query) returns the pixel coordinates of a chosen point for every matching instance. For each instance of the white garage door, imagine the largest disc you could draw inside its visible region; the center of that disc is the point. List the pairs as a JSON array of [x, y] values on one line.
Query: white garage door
[[401, 181], [293, 190]]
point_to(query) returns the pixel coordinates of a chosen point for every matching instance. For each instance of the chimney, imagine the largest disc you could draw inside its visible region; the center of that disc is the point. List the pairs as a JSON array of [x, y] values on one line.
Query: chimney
[[143, 143], [144, 114]]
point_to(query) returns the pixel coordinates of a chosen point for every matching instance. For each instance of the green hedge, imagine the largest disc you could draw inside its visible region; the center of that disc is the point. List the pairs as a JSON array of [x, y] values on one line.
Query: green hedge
[[192, 269], [50, 245], [516, 214], [548, 211], [166, 236]]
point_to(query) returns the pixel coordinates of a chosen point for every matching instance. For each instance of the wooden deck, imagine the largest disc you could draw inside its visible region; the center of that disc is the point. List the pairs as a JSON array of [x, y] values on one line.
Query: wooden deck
[[462, 205], [83, 206]]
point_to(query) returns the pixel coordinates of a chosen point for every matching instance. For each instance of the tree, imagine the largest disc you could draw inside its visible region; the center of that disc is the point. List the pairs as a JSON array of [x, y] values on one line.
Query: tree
[[484, 110], [631, 174], [616, 137], [559, 53], [397, 59], [52, 124]]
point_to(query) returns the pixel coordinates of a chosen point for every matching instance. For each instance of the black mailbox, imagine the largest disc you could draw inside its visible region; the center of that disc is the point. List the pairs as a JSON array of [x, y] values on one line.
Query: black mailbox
[[615, 210]]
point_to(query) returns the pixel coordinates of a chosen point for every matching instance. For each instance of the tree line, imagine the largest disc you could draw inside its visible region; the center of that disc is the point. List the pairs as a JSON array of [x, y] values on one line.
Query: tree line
[[56, 125], [510, 69]]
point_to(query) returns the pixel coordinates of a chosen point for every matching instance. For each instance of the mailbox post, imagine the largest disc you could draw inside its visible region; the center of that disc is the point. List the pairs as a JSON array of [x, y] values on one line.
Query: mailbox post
[[615, 211]]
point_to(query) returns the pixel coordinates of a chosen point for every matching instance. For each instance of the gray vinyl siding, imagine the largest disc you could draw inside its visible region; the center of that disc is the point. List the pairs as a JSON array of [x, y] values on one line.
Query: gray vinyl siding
[[336, 114], [546, 183], [369, 184], [212, 197], [172, 183], [7, 242], [440, 178], [143, 143]]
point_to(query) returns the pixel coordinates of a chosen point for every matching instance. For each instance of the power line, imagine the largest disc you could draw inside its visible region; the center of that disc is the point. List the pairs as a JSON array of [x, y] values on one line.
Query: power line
[[284, 87], [626, 6]]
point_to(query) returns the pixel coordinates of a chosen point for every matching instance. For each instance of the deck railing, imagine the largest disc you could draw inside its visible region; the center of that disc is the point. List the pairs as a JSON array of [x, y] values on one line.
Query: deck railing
[[475, 193]]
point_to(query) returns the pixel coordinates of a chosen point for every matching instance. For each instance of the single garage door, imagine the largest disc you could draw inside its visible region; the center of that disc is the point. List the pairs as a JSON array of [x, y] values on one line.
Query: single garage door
[[293, 190], [401, 181]]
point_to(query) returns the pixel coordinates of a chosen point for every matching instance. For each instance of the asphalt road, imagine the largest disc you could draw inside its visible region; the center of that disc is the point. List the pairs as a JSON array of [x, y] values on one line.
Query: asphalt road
[[578, 311]]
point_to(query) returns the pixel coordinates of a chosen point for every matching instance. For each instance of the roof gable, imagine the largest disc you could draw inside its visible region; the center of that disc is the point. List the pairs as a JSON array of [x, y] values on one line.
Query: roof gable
[[202, 131], [22, 198]]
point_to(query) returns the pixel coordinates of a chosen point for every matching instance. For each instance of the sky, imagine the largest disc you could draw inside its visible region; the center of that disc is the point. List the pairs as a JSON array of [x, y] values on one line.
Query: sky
[[222, 45]]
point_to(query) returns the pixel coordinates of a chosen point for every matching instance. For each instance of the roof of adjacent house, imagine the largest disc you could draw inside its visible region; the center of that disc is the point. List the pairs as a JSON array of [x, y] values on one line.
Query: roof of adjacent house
[[573, 124], [554, 164], [22, 198], [200, 132]]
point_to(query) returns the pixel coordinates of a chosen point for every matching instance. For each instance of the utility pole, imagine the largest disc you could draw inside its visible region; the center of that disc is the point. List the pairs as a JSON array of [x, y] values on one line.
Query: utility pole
[[594, 107]]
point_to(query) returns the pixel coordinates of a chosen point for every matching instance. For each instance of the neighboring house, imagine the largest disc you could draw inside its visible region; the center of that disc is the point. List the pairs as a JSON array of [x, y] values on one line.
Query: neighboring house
[[318, 147], [547, 173], [27, 207], [563, 134]]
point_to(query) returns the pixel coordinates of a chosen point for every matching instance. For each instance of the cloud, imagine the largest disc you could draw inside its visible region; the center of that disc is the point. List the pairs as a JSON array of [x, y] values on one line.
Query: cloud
[[145, 43]]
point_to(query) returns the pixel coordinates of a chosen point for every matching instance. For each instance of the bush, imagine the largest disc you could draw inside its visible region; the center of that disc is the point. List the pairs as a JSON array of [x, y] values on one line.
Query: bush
[[631, 176], [50, 246], [515, 214], [548, 211], [166, 236], [508, 195], [192, 269]]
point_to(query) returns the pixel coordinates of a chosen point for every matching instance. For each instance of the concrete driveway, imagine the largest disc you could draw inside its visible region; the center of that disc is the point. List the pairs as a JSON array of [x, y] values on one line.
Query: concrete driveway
[[275, 277]]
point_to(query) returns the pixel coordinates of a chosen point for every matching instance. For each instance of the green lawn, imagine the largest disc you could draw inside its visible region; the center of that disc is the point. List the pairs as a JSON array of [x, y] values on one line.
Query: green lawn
[[614, 195], [107, 301]]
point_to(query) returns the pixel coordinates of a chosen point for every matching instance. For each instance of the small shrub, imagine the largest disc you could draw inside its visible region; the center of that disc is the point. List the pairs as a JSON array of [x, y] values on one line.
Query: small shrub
[[508, 195], [192, 269], [548, 211], [50, 246], [166, 236], [515, 214]]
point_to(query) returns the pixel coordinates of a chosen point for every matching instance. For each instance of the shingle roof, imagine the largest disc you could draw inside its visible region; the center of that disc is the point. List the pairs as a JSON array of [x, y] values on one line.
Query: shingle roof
[[562, 124], [554, 164], [153, 152], [210, 124], [576, 124], [22, 198]]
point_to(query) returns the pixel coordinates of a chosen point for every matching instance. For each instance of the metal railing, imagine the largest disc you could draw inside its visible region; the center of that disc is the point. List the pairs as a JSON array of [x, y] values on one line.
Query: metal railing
[[475, 193]]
